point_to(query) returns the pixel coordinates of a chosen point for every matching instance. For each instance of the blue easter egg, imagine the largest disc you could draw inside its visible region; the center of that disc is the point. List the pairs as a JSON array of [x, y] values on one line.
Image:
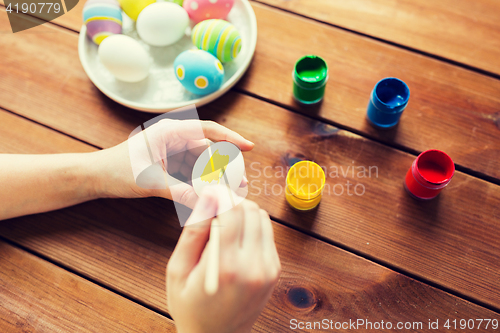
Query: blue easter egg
[[199, 71]]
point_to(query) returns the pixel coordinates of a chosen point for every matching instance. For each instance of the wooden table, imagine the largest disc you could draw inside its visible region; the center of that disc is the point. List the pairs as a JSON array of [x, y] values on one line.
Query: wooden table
[[380, 256]]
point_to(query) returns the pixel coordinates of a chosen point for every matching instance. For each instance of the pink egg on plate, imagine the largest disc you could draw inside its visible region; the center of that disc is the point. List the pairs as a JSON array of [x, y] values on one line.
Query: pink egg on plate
[[199, 10]]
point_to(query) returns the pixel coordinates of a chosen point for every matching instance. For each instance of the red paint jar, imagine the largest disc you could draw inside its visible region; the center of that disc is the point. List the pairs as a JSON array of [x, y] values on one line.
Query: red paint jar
[[429, 174]]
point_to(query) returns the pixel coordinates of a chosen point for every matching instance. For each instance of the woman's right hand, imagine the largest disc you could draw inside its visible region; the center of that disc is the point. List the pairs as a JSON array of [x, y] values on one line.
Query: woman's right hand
[[249, 268]]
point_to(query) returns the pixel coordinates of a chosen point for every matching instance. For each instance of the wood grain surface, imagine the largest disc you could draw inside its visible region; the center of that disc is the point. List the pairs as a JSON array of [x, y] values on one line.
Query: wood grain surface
[[36, 296], [450, 108], [125, 245], [451, 242], [423, 239], [463, 31], [80, 110]]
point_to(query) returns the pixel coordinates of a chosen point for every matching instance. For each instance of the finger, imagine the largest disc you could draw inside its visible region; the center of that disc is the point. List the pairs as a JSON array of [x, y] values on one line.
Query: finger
[[252, 235], [268, 244], [193, 239], [173, 166], [244, 182], [231, 225], [178, 156], [196, 147], [186, 170], [217, 132], [191, 159], [182, 193], [212, 271]]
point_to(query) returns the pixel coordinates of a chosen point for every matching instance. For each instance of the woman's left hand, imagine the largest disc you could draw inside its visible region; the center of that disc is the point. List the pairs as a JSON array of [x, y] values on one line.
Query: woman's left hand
[[182, 141]]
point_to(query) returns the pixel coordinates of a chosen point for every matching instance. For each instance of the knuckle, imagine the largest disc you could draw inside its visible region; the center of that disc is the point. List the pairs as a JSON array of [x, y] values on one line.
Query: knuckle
[[209, 123], [251, 205], [228, 276], [184, 196], [256, 281], [173, 271]]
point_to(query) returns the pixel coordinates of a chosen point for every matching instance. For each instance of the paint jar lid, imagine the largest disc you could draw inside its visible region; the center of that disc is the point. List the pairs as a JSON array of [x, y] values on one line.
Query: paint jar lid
[[310, 72], [390, 95], [305, 180], [433, 169]]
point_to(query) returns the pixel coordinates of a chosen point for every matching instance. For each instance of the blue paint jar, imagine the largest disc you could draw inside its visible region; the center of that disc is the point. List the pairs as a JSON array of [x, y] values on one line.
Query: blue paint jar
[[388, 100]]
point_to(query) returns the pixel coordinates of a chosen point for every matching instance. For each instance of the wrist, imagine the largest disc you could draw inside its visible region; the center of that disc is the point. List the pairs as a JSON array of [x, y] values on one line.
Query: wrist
[[89, 175]]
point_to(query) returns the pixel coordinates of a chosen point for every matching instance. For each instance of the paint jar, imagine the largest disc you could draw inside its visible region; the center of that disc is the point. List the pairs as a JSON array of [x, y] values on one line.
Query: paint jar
[[429, 174], [310, 75], [305, 182], [388, 100]]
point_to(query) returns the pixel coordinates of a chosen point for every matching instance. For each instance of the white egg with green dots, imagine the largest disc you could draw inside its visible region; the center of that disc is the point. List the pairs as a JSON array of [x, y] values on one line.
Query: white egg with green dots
[[199, 71]]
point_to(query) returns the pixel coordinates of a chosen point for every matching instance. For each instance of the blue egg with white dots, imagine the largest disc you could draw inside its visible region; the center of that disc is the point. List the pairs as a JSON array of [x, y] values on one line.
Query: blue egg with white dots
[[199, 71]]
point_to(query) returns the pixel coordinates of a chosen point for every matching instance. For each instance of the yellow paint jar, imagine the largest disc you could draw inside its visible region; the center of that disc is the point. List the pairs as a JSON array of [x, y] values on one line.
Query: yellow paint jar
[[305, 182]]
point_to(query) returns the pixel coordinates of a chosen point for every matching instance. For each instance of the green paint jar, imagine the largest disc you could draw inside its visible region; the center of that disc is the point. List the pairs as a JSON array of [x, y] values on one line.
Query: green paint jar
[[309, 79]]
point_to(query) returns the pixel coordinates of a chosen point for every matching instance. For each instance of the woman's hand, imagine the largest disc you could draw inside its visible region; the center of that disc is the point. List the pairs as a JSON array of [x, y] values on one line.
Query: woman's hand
[[136, 167], [249, 268]]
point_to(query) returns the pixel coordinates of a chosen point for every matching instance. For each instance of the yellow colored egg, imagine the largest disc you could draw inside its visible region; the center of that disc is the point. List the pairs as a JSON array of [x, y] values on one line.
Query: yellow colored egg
[[134, 7]]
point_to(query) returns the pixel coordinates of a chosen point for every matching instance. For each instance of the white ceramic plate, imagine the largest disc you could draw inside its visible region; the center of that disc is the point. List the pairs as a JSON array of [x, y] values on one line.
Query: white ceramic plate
[[161, 91]]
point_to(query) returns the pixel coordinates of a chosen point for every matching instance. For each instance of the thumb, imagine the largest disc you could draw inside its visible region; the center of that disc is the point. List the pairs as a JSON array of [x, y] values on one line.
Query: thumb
[[194, 237]]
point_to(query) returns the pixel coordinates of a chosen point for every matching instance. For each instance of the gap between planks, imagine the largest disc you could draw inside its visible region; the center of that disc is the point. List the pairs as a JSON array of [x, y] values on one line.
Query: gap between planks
[[313, 235], [395, 146], [413, 152], [385, 41], [387, 265], [77, 273], [355, 32], [402, 148]]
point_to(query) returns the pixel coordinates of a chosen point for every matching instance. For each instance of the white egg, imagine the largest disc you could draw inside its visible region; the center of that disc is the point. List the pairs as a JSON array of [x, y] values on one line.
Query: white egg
[[125, 58], [207, 169], [162, 23]]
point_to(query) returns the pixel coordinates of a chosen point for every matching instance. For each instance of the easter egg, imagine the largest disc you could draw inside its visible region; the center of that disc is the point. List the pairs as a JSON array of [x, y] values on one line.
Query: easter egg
[[218, 37], [199, 71], [162, 23], [221, 164], [103, 18], [125, 58], [200, 10], [179, 2], [134, 7]]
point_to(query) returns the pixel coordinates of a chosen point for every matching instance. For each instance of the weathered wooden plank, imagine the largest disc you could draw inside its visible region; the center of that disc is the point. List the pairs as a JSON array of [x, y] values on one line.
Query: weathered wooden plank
[[465, 31], [126, 244], [20, 136], [424, 239], [450, 108], [36, 296], [416, 245]]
